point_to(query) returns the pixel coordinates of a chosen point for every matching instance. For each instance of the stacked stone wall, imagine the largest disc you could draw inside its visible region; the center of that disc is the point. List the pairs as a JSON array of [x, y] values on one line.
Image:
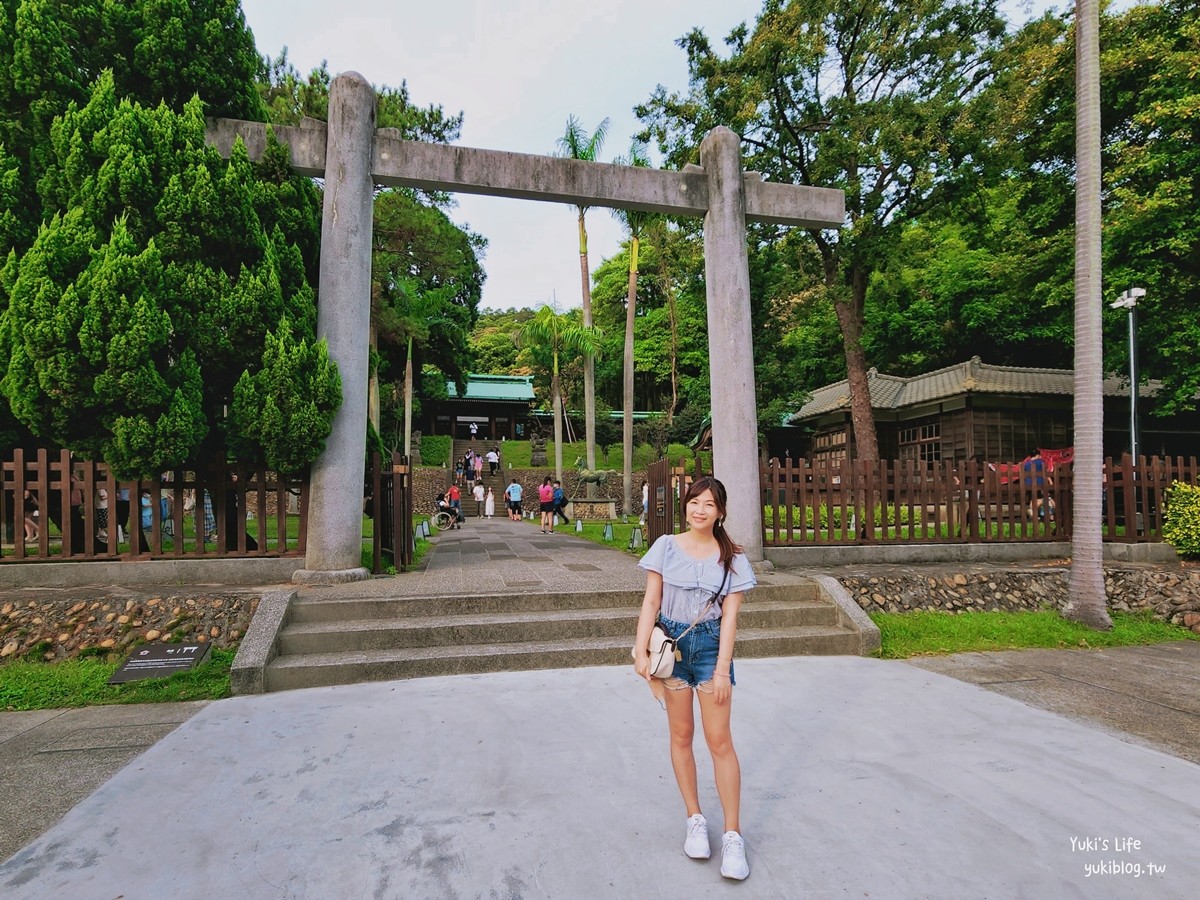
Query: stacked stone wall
[[1172, 595], [63, 628]]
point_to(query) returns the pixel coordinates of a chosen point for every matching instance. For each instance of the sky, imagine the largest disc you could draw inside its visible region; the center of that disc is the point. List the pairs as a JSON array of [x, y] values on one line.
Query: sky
[[516, 69]]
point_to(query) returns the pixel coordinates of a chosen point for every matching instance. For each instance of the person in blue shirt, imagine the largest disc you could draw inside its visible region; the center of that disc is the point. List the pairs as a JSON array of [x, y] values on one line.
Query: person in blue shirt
[[512, 495], [695, 584], [560, 502]]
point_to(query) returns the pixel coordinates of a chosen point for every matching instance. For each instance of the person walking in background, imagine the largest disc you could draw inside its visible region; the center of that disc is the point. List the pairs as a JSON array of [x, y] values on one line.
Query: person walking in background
[[493, 460], [479, 497], [458, 470], [645, 501], [31, 516], [546, 505], [560, 503], [454, 496], [474, 430], [512, 497], [489, 504], [695, 585], [478, 461], [469, 469]]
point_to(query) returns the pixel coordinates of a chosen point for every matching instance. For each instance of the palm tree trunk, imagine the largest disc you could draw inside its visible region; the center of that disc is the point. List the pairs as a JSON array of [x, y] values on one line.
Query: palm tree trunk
[[589, 362], [556, 400], [627, 418], [1086, 596], [408, 398]]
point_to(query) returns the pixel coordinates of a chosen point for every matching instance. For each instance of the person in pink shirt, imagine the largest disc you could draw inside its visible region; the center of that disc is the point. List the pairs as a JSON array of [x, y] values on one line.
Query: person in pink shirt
[[546, 502]]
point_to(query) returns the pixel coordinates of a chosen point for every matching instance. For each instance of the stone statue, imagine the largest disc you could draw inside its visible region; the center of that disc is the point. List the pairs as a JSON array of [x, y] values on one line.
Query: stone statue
[[415, 459], [588, 476], [537, 449]]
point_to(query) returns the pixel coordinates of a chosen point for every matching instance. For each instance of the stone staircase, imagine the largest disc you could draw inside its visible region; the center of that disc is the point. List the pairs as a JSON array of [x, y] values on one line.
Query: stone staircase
[[327, 642], [495, 482]]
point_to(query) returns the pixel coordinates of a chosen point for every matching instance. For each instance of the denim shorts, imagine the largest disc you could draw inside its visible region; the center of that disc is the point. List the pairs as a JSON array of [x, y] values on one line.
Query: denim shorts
[[699, 649]]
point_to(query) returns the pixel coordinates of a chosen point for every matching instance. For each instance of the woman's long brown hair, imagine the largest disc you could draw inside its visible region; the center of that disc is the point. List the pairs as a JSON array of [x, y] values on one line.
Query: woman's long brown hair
[[698, 487]]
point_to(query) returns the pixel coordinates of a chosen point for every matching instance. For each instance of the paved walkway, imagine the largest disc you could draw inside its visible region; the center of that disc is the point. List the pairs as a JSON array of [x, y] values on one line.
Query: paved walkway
[[861, 778]]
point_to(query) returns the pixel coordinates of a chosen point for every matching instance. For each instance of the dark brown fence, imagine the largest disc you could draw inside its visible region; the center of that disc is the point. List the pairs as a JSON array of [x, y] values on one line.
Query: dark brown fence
[[667, 485], [81, 511], [390, 506], [903, 501]]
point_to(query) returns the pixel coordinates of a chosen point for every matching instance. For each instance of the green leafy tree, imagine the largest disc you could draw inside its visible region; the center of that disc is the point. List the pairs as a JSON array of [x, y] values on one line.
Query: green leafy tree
[[289, 97], [426, 284], [151, 288], [283, 413], [1150, 57], [558, 337], [870, 97], [51, 51], [576, 143]]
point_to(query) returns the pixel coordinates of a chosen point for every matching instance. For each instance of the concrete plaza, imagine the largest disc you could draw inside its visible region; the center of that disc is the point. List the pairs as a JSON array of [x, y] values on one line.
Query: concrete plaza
[[943, 777]]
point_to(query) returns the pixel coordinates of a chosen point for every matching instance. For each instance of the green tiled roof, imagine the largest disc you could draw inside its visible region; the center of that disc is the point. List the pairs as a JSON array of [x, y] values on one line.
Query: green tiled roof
[[971, 377], [512, 388]]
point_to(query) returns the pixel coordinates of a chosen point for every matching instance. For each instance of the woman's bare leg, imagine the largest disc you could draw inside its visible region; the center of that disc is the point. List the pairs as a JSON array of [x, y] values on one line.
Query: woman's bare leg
[[683, 760], [726, 770]]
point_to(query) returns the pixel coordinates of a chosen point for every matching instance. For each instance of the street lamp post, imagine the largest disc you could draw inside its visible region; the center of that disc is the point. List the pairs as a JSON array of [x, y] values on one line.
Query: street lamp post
[[1128, 301]]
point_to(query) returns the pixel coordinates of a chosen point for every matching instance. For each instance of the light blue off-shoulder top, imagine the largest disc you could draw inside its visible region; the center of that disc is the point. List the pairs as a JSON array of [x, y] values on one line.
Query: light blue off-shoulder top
[[689, 583]]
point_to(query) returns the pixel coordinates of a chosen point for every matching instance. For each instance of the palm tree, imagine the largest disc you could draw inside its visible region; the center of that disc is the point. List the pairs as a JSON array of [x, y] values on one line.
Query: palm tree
[[635, 222], [1086, 597], [555, 332], [414, 324], [576, 143]]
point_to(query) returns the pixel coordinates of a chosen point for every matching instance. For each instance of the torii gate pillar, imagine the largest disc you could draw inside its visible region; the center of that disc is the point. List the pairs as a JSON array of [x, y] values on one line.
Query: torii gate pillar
[[730, 339], [353, 157], [333, 551]]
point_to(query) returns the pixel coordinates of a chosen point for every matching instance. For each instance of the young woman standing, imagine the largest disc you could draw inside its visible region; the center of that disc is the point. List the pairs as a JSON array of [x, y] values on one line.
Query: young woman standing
[[546, 505], [700, 577]]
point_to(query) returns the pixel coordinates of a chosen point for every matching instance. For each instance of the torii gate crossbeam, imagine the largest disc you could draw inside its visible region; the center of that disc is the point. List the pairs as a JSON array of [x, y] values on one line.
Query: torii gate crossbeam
[[353, 156]]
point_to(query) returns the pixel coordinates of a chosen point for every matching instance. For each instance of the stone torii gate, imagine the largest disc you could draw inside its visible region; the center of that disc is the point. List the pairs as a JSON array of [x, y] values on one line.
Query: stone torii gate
[[353, 156]]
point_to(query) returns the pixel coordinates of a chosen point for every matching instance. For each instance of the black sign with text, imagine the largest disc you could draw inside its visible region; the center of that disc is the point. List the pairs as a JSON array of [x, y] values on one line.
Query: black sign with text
[[159, 661]]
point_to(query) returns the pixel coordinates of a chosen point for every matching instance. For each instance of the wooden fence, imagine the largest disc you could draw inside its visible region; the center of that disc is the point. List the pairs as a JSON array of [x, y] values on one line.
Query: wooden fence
[[909, 501], [81, 511], [392, 515], [667, 484]]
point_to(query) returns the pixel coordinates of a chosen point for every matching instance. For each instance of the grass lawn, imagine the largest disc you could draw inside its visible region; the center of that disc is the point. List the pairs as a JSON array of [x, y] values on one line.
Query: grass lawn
[[26, 684], [926, 633], [594, 532]]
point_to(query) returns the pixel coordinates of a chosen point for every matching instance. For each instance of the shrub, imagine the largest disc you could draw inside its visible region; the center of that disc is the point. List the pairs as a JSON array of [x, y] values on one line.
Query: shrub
[[435, 449], [884, 517], [1181, 528]]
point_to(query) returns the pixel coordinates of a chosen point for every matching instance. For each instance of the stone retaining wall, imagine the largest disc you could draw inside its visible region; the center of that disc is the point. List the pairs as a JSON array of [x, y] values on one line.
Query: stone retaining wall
[[117, 623], [1173, 596]]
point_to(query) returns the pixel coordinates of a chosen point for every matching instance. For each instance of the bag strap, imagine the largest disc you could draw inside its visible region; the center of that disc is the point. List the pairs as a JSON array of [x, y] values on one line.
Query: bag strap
[[707, 607]]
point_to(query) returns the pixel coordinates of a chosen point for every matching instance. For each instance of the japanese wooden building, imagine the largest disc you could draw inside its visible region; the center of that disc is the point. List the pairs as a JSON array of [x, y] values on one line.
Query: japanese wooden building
[[976, 410], [498, 406]]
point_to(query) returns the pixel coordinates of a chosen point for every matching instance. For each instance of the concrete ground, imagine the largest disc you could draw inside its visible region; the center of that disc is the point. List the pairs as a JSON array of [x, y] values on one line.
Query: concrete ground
[[861, 777]]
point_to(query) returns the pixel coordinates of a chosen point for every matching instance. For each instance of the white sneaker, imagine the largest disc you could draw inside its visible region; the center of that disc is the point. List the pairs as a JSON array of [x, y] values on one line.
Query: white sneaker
[[696, 844], [733, 856]]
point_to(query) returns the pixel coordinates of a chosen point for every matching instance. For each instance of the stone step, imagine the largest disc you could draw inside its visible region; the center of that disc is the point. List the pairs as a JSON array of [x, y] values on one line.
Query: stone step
[[516, 627], [330, 668], [309, 610], [314, 609]]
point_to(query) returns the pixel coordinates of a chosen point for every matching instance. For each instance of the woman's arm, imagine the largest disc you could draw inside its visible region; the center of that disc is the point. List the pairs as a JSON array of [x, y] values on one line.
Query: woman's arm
[[722, 685], [651, 603]]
